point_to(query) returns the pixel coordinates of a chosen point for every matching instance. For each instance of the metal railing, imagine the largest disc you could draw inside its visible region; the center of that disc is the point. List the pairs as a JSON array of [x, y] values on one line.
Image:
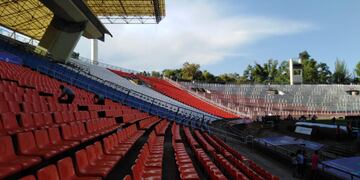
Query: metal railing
[[218, 105], [105, 65], [195, 118]]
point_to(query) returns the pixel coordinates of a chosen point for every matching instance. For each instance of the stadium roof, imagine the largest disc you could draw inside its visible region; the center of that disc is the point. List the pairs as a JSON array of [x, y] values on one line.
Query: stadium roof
[[128, 11], [32, 17]]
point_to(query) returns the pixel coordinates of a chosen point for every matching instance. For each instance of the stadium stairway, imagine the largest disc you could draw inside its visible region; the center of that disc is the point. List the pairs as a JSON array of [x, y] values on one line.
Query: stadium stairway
[[170, 171]]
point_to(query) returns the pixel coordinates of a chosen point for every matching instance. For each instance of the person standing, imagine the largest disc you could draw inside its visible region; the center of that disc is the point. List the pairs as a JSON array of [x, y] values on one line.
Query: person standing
[[314, 164], [300, 162], [337, 132]]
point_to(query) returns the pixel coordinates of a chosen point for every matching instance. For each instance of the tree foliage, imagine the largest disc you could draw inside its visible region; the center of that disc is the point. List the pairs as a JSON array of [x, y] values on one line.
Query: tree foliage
[[341, 74], [270, 72]]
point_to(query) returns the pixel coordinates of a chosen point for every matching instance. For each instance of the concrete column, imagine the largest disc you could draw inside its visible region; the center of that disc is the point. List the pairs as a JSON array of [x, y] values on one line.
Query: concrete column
[[94, 51], [61, 37], [291, 72]]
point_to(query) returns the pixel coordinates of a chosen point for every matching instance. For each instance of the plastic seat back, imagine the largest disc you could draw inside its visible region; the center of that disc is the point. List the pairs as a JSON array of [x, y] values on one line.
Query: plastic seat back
[[14, 106], [26, 120], [66, 168], [42, 138], [54, 135], [26, 142], [4, 107], [91, 154], [9, 121], [81, 160], [66, 132], [48, 173], [39, 119], [6, 148]]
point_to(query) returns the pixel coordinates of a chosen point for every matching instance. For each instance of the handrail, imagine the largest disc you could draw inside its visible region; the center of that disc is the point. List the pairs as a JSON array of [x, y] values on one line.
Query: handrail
[[138, 95], [105, 65], [204, 98]]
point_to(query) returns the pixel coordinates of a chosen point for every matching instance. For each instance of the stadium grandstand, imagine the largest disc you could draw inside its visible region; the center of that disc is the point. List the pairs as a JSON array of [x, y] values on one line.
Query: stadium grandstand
[[147, 127]]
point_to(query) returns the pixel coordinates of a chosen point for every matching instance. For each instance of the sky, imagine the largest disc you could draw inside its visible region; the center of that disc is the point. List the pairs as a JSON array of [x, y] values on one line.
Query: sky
[[225, 36]]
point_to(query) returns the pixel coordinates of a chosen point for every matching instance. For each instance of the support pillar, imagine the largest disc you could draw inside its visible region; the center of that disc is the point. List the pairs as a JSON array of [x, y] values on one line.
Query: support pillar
[[94, 51], [61, 37]]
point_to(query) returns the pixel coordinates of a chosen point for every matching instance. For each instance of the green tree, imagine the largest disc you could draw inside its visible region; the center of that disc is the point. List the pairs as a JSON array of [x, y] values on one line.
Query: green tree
[[304, 55], [169, 73], [324, 74], [357, 73], [248, 74], [283, 76], [208, 77], [271, 69], [310, 73], [189, 70], [259, 74], [341, 74], [155, 74]]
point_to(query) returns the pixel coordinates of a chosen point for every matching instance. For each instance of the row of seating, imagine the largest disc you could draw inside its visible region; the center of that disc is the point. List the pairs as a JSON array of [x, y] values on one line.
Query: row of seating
[[133, 117], [193, 143], [175, 130], [94, 162], [149, 165], [148, 122], [220, 161], [183, 161], [203, 142], [120, 143], [207, 164], [64, 170], [211, 169], [227, 161], [251, 170], [44, 143], [161, 128]]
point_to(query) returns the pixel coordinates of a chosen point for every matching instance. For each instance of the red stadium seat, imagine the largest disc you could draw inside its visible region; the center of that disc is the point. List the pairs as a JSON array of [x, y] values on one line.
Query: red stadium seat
[[85, 169], [27, 146], [55, 138], [67, 172], [48, 173], [7, 170], [100, 154], [8, 156], [10, 123], [93, 159], [27, 121], [43, 142]]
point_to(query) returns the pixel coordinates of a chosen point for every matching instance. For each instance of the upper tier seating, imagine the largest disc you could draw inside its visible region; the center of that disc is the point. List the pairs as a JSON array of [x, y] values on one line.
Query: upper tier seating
[[183, 96], [114, 77], [255, 100]]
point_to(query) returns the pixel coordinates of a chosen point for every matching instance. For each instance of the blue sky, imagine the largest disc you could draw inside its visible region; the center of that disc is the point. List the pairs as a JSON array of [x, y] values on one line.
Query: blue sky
[[226, 36]]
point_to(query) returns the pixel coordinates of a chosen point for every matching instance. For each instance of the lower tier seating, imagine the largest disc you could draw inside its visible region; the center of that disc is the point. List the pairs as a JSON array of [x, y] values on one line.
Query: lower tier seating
[[44, 139]]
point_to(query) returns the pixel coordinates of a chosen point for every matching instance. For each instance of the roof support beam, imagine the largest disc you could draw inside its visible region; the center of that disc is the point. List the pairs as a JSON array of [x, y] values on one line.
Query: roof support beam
[[157, 10]]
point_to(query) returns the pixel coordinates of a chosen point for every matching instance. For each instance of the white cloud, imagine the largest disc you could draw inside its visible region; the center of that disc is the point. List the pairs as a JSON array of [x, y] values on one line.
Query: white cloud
[[191, 31]]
